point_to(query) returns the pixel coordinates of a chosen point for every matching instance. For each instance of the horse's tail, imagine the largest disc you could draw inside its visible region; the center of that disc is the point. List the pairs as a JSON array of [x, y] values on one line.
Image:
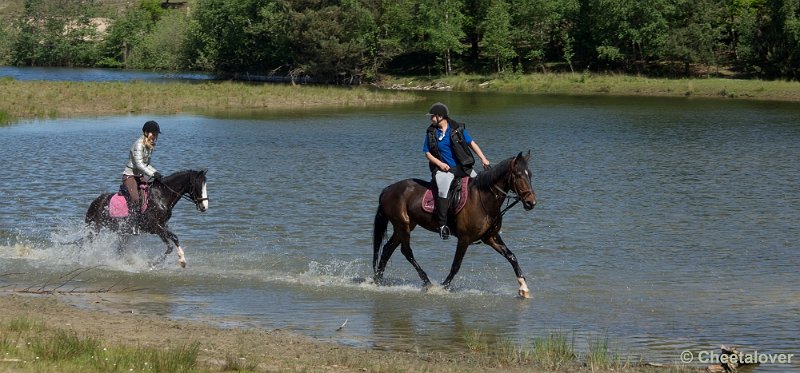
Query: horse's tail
[[378, 232]]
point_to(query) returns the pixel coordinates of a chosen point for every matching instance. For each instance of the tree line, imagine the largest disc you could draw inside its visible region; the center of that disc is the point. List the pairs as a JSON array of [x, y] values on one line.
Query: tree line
[[353, 41]]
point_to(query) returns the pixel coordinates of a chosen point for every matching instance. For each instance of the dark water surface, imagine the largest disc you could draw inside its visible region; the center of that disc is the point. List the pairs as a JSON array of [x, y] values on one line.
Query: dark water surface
[[96, 75], [663, 224]]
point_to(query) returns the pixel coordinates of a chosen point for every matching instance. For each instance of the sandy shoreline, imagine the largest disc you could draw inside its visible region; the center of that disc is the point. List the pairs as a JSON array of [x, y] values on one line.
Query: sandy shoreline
[[97, 316]]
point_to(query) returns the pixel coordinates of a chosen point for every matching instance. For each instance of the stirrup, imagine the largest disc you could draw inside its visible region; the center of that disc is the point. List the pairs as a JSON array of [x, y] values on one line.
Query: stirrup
[[444, 232]]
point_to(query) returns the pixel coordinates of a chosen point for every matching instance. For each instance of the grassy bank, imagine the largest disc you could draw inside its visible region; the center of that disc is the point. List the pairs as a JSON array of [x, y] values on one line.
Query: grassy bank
[[40, 99], [604, 84], [44, 334]]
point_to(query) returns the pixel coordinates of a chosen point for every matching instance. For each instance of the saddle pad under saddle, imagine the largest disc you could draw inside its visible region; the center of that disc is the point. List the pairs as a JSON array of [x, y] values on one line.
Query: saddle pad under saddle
[[118, 204], [428, 202]]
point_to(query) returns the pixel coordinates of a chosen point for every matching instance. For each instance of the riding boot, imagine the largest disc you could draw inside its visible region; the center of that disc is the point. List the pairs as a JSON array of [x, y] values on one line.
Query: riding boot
[[442, 205]]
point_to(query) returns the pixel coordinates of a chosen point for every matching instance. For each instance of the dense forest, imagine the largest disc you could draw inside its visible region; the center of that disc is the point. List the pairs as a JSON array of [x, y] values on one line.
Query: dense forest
[[354, 41]]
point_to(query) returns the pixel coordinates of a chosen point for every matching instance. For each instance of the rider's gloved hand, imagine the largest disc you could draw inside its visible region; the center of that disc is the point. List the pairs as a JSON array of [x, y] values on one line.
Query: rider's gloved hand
[[157, 176]]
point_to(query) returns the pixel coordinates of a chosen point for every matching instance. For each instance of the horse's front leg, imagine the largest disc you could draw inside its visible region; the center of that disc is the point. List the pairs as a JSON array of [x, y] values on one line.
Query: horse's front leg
[[498, 245], [169, 238], [461, 249], [122, 241]]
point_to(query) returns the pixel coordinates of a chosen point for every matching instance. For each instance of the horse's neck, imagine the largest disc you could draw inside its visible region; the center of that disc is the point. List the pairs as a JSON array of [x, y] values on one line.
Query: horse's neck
[[499, 186], [172, 192]]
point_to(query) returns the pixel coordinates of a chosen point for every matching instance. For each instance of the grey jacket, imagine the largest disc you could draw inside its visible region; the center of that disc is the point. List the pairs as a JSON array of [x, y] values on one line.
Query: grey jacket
[[139, 160]]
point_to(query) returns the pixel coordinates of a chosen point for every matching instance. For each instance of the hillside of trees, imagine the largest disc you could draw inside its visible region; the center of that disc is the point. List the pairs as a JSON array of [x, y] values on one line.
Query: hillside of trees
[[354, 41]]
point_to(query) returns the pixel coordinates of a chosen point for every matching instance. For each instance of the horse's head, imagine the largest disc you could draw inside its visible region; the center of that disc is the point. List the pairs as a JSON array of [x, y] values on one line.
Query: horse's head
[[197, 190], [521, 180]]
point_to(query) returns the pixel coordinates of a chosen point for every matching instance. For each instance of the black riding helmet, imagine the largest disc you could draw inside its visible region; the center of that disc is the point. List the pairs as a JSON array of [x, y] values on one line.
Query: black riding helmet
[[439, 109], [151, 126]]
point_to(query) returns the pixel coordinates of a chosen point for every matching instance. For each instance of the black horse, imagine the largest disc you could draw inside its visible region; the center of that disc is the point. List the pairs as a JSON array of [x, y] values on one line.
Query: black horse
[[162, 197], [479, 220]]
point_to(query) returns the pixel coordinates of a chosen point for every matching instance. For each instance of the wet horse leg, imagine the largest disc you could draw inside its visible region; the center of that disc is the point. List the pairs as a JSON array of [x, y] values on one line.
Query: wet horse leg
[[122, 241], [498, 245], [386, 253], [461, 249], [405, 248], [166, 235]]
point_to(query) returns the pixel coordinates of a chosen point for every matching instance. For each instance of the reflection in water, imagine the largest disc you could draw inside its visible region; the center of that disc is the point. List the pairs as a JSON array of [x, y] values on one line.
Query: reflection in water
[[662, 224]]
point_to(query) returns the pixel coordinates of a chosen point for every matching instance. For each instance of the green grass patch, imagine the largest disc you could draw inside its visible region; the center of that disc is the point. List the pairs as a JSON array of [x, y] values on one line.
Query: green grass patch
[[32, 347], [43, 99], [587, 83], [64, 345], [554, 351]]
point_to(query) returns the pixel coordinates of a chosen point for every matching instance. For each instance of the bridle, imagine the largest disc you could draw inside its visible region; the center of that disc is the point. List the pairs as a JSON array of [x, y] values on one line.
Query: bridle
[[198, 201], [500, 193]]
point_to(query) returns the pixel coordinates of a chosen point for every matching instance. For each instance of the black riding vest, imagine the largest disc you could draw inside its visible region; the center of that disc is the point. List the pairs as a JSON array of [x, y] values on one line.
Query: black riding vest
[[461, 151]]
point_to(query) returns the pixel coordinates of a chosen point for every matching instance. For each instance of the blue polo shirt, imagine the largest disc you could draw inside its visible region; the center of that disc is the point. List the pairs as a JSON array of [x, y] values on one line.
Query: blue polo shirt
[[445, 148]]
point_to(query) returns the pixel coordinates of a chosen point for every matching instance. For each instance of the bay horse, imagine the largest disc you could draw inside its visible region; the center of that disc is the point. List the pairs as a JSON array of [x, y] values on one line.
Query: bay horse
[[479, 220], [162, 197]]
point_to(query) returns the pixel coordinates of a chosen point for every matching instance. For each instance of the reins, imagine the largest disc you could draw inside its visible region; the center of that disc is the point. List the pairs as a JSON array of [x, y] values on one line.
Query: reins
[[506, 195], [183, 195]]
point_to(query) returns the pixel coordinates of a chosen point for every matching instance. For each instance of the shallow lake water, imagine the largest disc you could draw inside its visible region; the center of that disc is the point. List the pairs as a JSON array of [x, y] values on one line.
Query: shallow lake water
[[662, 224]]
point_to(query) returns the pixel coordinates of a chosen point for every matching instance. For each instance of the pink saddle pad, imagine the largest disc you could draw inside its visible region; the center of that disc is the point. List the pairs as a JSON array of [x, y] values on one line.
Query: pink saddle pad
[[118, 206], [428, 202]]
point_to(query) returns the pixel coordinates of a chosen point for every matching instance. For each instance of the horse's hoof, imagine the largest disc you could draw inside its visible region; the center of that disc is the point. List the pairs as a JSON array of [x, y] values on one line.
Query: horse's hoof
[[525, 294]]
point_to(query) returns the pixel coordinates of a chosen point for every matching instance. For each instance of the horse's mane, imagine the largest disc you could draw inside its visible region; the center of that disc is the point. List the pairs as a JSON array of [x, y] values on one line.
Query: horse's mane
[[487, 178], [182, 173]]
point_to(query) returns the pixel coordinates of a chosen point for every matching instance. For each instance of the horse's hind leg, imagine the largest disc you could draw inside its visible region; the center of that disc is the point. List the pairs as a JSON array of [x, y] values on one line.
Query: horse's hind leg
[[461, 249], [386, 253], [405, 241]]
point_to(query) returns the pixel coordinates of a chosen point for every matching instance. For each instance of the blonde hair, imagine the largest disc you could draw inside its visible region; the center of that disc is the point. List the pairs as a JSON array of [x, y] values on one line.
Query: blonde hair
[[148, 142]]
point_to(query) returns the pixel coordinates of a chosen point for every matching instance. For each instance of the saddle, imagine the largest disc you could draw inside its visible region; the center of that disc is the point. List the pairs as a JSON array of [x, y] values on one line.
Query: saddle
[[458, 189], [118, 204]]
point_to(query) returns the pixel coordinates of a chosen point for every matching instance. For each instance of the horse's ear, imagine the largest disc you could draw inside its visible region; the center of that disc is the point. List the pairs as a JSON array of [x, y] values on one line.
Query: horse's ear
[[519, 155], [527, 156], [204, 171]]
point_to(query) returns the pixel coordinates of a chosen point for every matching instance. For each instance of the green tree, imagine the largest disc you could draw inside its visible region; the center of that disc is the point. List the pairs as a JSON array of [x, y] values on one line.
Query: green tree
[[772, 40], [5, 45], [393, 30], [538, 27], [240, 36], [694, 33], [55, 33], [496, 41], [440, 29], [125, 34], [637, 30], [333, 43], [163, 48]]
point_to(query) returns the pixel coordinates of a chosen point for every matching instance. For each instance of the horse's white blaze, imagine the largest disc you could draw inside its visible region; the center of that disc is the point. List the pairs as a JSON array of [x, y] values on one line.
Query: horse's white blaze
[[205, 197], [181, 257]]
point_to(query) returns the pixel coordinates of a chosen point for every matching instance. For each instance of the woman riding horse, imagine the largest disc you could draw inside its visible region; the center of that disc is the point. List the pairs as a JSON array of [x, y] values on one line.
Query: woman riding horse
[[447, 147], [479, 220], [161, 199], [138, 167]]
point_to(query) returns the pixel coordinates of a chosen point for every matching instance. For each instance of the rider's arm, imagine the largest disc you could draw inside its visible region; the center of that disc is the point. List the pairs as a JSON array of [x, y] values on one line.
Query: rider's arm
[[138, 159], [441, 165], [477, 150]]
